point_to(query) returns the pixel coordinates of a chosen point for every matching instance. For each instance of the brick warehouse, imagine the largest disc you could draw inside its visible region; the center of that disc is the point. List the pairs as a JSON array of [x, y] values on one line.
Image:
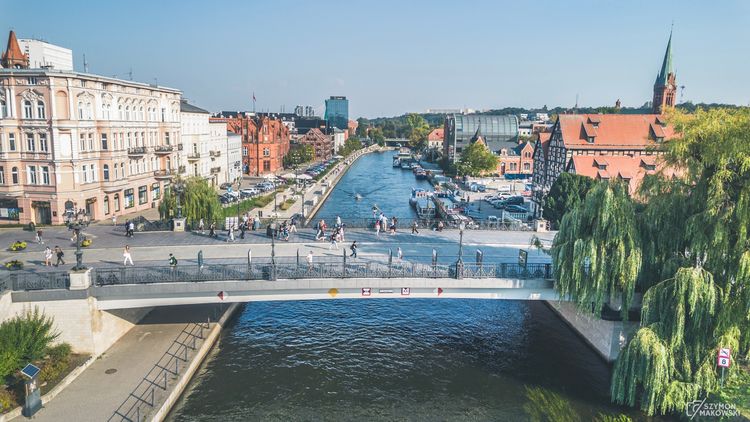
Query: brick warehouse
[[265, 140]]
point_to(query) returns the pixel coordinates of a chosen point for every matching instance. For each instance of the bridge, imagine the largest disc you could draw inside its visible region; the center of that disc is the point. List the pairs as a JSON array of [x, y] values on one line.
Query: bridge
[[138, 287]]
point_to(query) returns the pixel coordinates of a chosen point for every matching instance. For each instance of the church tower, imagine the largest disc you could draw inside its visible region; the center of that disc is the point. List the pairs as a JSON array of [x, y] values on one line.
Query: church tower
[[13, 57], [665, 87]]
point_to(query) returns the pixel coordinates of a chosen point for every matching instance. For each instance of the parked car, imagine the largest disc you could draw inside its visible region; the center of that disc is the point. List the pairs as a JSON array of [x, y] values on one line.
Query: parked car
[[514, 200], [225, 186], [516, 209], [250, 191]]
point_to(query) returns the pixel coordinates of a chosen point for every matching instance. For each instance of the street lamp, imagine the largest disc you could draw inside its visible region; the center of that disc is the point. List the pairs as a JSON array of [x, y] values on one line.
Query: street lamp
[[239, 185], [179, 187], [460, 261], [79, 253]]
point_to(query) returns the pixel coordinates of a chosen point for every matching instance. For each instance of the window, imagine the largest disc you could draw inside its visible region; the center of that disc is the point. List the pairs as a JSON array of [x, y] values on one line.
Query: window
[[590, 139], [91, 141], [117, 202], [166, 138], [31, 80], [12, 141], [142, 195], [266, 165], [82, 142], [45, 175], [3, 109], [127, 117], [266, 152], [526, 166], [155, 191], [40, 114], [105, 111], [85, 174], [106, 205], [14, 175], [119, 115], [27, 109], [30, 144], [164, 115], [117, 171], [2, 175], [244, 151], [129, 199], [128, 137], [104, 141], [43, 142], [122, 170], [512, 166], [31, 175], [93, 173], [80, 110]]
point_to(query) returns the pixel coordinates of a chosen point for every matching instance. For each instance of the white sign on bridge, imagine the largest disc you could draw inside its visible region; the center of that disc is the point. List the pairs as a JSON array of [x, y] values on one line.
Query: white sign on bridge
[[725, 357]]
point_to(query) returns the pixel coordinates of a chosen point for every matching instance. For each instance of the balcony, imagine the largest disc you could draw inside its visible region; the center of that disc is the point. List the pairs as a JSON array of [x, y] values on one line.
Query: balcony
[[112, 186], [165, 174], [163, 149], [137, 151], [194, 156], [215, 170], [216, 153]]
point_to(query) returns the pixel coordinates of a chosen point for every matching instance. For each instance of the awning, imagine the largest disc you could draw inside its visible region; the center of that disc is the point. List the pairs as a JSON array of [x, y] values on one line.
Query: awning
[[289, 176], [304, 177]]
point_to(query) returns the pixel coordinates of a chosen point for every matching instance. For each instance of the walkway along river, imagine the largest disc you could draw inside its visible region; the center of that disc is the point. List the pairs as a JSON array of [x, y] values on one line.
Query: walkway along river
[[411, 359]]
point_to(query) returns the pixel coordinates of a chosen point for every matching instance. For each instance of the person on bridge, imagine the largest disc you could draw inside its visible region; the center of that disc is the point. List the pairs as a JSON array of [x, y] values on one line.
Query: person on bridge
[[354, 249], [334, 243], [230, 234], [309, 259], [377, 228], [414, 228], [172, 261], [60, 255], [399, 254], [126, 254], [201, 226], [212, 230], [47, 256], [338, 221]]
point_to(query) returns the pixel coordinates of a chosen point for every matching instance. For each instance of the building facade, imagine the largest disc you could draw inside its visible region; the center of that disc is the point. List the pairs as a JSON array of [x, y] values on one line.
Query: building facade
[[435, 139], [71, 142], [196, 134], [321, 143], [265, 140], [498, 131], [337, 112], [234, 155], [516, 161]]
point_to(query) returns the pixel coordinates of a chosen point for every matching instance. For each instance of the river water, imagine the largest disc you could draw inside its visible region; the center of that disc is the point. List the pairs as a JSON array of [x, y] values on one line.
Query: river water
[[411, 359]]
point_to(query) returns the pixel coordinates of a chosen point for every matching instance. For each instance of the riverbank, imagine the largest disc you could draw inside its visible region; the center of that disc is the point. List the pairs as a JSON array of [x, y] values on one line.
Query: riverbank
[[145, 371]]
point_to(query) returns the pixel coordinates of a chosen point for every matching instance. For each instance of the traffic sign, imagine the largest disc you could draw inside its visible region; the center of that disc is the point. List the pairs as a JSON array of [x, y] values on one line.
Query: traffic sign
[[522, 257], [333, 292], [439, 291], [366, 291], [405, 291], [724, 359]]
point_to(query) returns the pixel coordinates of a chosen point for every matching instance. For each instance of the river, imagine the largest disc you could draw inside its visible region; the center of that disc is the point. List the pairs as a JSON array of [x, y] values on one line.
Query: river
[[412, 359]]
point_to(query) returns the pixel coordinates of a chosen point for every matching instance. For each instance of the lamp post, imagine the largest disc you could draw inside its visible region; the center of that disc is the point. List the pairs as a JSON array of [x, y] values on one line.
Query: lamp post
[[239, 185], [79, 253], [460, 261], [179, 187]]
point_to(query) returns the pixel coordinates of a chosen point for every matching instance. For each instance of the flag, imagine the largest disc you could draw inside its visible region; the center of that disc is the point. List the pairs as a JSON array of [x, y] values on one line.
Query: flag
[[253, 96]]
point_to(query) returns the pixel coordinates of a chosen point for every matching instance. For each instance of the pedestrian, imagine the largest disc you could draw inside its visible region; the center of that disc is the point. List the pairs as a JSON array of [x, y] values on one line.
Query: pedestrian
[[309, 260], [126, 255], [399, 253], [127, 228], [414, 228], [440, 226], [131, 228], [47, 256], [377, 228], [172, 261], [212, 230], [114, 221], [341, 233], [338, 221], [60, 254], [293, 226], [243, 227], [39, 237], [201, 226], [334, 244], [230, 237], [354, 249]]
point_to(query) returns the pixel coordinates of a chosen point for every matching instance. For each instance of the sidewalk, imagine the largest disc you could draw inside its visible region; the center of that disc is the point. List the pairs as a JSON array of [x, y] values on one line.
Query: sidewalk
[[102, 387]]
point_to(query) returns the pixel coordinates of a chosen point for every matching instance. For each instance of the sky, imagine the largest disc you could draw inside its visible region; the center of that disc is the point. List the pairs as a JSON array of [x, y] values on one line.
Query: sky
[[393, 57]]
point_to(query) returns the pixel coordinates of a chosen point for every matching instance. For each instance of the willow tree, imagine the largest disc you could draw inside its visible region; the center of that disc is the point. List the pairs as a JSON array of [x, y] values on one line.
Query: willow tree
[[198, 200], [597, 253], [695, 226]]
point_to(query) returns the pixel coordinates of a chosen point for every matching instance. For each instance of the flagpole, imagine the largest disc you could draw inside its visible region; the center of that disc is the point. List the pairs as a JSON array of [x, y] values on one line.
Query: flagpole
[[253, 102]]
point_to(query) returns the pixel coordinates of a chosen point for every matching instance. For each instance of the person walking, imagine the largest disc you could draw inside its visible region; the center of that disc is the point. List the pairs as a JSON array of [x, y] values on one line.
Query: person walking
[[354, 249], [47, 256], [39, 239], [201, 226], [334, 244], [338, 221], [399, 253], [230, 237], [126, 255], [293, 226], [127, 228], [309, 259], [131, 228], [377, 228], [60, 254], [243, 227], [212, 230], [414, 228], [172, 261]]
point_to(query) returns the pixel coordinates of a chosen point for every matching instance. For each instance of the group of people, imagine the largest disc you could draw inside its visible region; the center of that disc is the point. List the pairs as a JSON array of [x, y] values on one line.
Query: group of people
[[129, 228], [383, 224], [50, 253]]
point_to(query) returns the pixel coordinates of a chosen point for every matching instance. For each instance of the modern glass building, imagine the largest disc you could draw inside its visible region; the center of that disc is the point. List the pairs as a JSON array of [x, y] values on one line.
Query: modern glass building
[[337, 112], [498, 131]]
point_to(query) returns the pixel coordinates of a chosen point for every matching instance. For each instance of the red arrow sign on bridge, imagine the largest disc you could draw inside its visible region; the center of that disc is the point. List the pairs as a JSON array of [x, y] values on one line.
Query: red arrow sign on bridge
[[222, 294], [439, 291]]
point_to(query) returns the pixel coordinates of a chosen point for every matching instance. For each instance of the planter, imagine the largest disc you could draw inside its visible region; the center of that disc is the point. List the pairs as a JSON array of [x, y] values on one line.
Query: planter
[[14, 265], [17, 246]]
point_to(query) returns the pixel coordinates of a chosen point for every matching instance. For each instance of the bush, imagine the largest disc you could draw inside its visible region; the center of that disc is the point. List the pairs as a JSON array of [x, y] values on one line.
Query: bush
[[23, 339], [18, 246], [286, 204], [14, 265], [7, 401], [53, 369], [59, 352]]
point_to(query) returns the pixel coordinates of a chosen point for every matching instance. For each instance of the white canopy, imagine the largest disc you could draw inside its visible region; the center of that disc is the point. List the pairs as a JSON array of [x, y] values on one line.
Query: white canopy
[[338, 157], [304, 177], [289, 176], [269, 176]]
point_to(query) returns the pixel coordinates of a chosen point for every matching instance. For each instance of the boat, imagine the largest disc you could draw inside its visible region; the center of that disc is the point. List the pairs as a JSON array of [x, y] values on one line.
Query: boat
[[405, 165], [424, 208], [420, 174], [396, 162], [418, 193]]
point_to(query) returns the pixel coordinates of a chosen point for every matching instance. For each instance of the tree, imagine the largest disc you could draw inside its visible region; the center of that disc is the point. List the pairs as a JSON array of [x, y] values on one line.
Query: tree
[[198, 200], [418, 131], [351, 145], [566, 193], [298, 154], [695, 226], [597, 252], [476, 159], [377, 136], [362, 127]]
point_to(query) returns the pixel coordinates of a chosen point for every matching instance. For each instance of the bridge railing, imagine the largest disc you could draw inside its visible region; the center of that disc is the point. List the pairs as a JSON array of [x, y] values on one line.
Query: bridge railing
[[303, 270], [27, 280], [426, 224]]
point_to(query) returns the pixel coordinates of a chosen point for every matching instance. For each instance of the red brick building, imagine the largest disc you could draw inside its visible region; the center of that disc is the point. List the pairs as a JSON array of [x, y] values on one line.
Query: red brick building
[[321, 143], [265, 141]]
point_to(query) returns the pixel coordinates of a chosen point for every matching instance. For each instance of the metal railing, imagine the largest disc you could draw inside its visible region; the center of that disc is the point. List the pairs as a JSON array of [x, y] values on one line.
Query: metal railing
[[26, 280], [427, 224], [143, 398], [302, 270], [136, 151]]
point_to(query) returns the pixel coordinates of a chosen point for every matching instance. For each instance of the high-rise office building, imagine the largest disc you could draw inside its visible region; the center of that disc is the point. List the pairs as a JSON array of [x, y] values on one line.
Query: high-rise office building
[[337, 112]]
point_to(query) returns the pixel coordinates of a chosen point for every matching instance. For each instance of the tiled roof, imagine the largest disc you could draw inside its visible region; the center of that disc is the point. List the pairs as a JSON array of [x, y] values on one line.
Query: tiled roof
[[186, 107], [632, 169], [612, 131], [543, 142], [436, 135], [13, 51]]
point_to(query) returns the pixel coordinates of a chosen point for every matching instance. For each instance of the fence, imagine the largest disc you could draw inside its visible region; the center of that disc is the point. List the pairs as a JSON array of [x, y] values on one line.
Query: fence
[[26, 280], [405, 224], [143, 398], [303, 270]]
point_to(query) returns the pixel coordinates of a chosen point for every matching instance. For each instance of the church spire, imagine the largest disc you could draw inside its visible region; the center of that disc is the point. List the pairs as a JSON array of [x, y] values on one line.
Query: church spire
[[13, 57], [665, 87], [666, 66]]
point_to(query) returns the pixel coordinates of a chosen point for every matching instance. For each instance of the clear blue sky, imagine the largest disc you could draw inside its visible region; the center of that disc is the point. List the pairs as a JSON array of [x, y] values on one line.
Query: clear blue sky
[[390, 57]]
